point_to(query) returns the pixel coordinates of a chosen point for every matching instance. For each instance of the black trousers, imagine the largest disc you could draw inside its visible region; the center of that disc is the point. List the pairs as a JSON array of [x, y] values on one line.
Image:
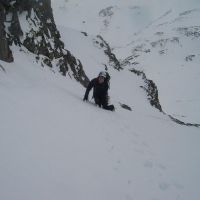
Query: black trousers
[[102, 102]]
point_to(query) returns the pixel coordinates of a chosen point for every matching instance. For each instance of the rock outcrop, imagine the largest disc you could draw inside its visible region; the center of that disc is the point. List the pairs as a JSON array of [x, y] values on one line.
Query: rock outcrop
[[150, 88], [41, 36], [153, 97], [113, 61], [5, 52]]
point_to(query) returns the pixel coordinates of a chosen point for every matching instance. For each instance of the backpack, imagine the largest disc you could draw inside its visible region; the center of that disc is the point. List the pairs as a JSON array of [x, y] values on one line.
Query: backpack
[[108, 79]]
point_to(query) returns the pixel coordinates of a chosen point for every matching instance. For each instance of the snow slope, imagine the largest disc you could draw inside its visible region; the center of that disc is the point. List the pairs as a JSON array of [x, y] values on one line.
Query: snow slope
[[168, 52], [154, 34], [55, 146], [114, 18]]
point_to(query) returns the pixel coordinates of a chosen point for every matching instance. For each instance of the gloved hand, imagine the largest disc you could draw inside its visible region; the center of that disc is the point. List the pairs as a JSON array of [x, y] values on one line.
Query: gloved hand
[[85, 98]]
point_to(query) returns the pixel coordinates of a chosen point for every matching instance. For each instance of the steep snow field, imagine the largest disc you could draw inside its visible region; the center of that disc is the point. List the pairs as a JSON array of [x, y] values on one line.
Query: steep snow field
[[55, 146], [161, 36], [168, 53], [115, 20]]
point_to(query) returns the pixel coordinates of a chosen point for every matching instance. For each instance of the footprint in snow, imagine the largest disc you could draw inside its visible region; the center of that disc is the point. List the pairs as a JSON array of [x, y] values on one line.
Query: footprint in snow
[[162, 167], [164, 186], [178, 186], [148, 164]]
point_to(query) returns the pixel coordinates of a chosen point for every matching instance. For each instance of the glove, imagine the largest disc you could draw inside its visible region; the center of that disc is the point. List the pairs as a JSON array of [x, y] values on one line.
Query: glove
[[85, 98]]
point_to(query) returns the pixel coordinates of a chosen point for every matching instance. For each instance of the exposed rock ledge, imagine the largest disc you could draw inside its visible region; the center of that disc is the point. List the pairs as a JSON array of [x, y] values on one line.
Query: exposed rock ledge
[[153, 97], [41, 36]]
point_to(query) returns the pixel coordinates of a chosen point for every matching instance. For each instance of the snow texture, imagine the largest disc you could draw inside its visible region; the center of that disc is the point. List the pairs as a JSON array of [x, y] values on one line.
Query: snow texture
[[55, 146]]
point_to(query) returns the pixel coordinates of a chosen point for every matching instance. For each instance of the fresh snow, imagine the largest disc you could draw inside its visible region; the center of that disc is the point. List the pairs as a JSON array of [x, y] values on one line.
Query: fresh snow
[[132, 24], [55, 146]]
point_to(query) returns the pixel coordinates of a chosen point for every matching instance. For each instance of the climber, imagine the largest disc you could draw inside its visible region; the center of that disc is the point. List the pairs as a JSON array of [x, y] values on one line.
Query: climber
[[100, 87]]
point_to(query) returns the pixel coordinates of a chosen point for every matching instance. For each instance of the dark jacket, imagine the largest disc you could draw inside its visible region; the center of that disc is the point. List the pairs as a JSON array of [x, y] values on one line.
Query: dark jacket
[[99, 90], [100, 93]]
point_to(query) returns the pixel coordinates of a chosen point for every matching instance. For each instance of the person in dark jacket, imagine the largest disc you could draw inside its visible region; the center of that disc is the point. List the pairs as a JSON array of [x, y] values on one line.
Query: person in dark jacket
[[100, 87]]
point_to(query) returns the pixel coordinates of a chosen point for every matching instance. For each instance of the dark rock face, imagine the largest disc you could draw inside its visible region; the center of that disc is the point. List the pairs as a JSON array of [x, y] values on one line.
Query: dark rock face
[[192, 31], [183, 123], [106, 12], [107, 50], [42, 37], [153, 97], [124, 106], [150, 88], [5, 52]]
